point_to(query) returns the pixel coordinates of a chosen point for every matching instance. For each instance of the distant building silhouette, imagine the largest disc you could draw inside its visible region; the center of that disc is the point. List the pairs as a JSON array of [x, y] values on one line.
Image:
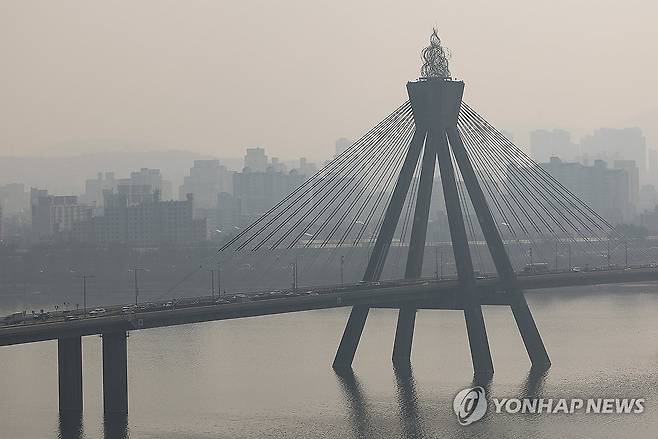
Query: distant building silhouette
[[255, 192], [56, 217], [545, 144], [307, 168], [255, 159], [605, 190], [611, 144], [138, 188], [14, 198], [150, 223], [633, 179], [207, 179]]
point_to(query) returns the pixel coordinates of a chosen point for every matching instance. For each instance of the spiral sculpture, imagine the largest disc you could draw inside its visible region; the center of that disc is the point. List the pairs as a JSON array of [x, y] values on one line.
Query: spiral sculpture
[[435, 59]]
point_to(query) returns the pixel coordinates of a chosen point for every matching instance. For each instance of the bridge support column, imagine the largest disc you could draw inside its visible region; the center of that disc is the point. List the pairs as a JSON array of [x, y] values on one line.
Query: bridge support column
[[351, 336], [477, 340], [115, 373], [404, 332], [404, 336], [529, 332], [69, 365], [477, 332]]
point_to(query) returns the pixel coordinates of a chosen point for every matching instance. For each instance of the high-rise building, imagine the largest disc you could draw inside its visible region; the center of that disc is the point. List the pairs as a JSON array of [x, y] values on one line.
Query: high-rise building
[[207, 179], [150, 223], [277, 165], [228, 213], [14, 198], [545, 144], [606, 191], [255, 160], [94, 188], [611, 144], [141, 186], [146, 177], [307, 168], [255, 192], [633, 179], [55, 216]]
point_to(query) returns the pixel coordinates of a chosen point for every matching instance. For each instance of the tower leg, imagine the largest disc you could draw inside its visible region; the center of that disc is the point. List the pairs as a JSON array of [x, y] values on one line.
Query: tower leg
[[404, 332], [357, 320], [115, 373], [477, 333], [351, 336], [529, 332], [477, 339], [524, 320], [404, 335], [69, 362]]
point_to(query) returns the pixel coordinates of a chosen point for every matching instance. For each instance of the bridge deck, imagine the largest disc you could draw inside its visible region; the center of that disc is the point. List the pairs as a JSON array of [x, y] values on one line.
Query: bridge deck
[[422, 294]]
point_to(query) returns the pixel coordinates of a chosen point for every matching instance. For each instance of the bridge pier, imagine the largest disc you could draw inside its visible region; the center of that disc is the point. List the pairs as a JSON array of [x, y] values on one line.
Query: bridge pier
[[478, 340], [351, 336], [115, 373], [404, 335], [69, 370], [529, 332]]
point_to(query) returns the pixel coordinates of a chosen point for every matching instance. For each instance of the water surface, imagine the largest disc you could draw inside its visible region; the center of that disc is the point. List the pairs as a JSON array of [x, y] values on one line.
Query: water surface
[[271, 377]]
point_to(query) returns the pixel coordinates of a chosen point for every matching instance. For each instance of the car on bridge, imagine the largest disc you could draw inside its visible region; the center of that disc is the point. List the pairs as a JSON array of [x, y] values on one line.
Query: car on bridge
[[96, 312], [13, 318], [238, 298]]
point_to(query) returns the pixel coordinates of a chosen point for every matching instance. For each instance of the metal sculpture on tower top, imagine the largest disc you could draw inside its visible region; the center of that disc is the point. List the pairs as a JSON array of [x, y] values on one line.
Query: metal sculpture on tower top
[[435, 59]]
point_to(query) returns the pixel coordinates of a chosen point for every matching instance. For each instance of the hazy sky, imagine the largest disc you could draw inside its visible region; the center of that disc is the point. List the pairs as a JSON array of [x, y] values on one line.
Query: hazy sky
[[292, 76]]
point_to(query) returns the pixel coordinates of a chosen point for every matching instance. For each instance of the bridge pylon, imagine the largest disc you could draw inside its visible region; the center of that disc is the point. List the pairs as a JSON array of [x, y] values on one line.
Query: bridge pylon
[[436, 102]]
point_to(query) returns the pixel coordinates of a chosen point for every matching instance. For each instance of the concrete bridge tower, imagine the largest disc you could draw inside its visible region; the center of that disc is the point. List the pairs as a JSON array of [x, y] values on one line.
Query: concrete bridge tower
[[436, 100]]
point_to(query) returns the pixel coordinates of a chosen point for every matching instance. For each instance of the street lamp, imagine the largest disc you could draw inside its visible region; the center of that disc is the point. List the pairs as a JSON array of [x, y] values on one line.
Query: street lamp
[[84, 278], [212, 283], [219, 281], [135, 270], [293, 267], [342, 263]]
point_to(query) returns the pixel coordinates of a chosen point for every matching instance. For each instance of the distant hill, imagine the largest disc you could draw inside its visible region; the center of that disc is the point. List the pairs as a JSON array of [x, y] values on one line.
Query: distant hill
[[67, 174]]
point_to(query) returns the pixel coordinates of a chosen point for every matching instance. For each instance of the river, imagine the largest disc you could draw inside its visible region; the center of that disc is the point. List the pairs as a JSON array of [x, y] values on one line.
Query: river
[[271, 377]]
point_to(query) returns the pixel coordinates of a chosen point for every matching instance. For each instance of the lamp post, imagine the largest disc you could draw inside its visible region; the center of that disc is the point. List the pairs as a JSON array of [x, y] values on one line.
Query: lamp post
[[441, 265], [212, 284], [531, 265], [342, 264], [84, 278], [135, 270], [219, 281]]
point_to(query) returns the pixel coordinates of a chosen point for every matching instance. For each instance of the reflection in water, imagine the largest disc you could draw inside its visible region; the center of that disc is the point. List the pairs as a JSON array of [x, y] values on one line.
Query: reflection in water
[[482, 379], [412, 426], [115, 426], [534, 382], [358, 405], [70, 425]]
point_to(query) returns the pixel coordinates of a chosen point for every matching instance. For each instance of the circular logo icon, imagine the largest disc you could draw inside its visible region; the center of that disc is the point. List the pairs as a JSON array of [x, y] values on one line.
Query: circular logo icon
[[470, 405]]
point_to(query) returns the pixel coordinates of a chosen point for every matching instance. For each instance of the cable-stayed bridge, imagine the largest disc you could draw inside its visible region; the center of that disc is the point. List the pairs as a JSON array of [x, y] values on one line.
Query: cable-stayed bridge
[[504, 215]]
